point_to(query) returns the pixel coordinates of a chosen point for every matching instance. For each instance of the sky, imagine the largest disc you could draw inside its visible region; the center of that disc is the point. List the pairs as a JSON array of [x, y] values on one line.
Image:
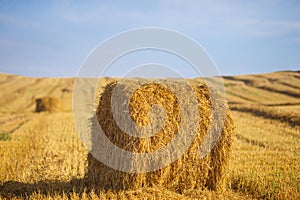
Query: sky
[[53, 38]]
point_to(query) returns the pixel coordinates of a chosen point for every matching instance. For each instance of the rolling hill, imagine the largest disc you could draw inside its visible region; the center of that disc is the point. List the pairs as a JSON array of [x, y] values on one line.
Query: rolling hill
[[42, 156]]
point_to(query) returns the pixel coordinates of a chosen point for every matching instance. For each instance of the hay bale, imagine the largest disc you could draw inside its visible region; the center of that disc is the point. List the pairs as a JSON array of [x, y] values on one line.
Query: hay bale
[[255, 81], [50, 104], [189, 171]]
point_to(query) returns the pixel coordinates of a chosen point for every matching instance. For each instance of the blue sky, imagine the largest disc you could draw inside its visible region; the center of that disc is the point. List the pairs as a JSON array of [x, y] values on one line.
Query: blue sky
[[52, 38]]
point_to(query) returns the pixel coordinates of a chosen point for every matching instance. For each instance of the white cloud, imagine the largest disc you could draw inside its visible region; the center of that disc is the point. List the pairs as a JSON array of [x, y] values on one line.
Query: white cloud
[[232, 18], [261, 27], [8, 19]]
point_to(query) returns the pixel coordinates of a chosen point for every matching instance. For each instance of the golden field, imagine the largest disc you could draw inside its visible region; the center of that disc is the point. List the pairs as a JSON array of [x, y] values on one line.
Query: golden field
[[41, 155]]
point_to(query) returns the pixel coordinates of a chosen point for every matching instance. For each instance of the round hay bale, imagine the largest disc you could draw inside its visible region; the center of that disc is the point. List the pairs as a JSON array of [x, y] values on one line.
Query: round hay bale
[[50, 104], [189, 171]]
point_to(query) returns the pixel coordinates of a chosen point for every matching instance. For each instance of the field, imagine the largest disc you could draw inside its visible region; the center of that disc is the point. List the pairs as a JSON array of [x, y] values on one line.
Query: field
[[41, 155]]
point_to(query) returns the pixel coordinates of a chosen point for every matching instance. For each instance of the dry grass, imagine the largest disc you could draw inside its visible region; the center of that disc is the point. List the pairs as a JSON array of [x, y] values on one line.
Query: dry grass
[[267, 159], [45, 159]]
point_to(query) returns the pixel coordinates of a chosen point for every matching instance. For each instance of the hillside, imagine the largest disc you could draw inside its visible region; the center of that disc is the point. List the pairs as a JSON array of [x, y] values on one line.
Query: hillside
[[41, 154]]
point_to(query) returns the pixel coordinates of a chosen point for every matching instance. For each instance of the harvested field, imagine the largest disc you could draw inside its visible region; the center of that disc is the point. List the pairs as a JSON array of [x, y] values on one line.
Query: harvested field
[[41, 155]]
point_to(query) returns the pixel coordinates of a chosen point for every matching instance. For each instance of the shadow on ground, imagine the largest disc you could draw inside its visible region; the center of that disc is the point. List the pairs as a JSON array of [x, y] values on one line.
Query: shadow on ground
[[11, 189]]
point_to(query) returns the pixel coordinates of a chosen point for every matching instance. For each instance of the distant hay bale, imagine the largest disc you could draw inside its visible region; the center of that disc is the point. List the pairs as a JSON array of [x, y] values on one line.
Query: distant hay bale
[[256, 81], [189, 171], [66, 90], [50, 104]]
